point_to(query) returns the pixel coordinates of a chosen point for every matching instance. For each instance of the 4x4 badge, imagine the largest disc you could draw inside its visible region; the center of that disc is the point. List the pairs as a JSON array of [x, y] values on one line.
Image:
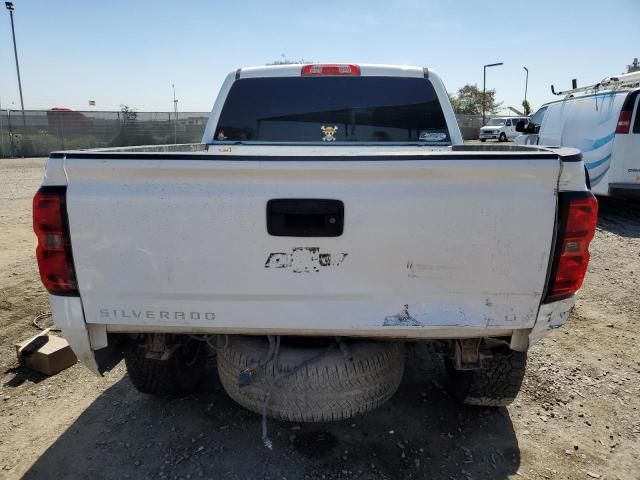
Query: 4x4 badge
[[304, 259]]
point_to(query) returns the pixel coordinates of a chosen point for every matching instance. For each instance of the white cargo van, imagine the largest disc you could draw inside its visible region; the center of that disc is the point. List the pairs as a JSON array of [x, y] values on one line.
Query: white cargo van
[[604, 123], [501, 128]]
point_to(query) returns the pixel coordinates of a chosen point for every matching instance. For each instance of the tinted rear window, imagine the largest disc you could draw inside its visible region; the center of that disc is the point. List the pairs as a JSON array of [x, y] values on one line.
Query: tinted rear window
[[332, 109]]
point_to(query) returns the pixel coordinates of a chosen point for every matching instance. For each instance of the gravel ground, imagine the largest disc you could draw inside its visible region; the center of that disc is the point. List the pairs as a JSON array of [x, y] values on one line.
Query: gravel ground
[[576, 418]]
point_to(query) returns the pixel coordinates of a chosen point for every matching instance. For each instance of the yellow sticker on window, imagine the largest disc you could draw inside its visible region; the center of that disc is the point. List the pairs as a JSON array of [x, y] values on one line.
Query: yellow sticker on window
[[329, 133]]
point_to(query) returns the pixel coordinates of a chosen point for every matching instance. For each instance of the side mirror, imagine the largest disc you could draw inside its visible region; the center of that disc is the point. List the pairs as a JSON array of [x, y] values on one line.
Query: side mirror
[[520, 126]]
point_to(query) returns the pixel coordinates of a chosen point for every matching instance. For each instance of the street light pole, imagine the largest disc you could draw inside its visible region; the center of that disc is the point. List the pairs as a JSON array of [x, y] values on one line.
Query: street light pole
[[526, 83], [10, 7], [1, 134], [484, 87], [175, 116]]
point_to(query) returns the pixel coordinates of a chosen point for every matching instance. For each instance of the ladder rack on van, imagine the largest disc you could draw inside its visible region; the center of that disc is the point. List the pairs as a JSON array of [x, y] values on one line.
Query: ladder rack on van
[[621, 82]]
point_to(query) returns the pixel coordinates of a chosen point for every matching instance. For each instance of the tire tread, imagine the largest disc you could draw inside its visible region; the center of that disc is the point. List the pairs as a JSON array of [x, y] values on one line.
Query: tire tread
[[495, 385], [330, 389]]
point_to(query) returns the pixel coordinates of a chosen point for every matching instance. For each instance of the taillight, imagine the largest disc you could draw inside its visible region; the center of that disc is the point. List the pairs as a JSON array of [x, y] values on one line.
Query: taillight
[[624, 122], [54, 247], [330, 69], [572, 252]]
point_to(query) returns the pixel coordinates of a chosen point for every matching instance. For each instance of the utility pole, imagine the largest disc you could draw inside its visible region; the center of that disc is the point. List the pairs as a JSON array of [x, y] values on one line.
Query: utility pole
[[526, 84], [1, 135], [175, 115], [484, 87], [10, 7]]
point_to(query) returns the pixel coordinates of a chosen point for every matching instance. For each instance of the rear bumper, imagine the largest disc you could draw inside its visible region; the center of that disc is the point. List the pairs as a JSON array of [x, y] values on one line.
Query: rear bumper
[[551, 316], [69, 318], [92, 345], [630, 190], [89, 342], [400, 333]]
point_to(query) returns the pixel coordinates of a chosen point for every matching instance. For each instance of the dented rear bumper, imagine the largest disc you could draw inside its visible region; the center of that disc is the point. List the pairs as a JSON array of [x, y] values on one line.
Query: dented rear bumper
[[551, 316], [91, 344]]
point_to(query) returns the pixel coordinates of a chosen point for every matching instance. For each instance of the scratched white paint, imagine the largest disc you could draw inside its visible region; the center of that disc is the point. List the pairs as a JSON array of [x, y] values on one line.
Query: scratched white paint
[[551, 316], [304, 260], [186, 236], [572, 177]]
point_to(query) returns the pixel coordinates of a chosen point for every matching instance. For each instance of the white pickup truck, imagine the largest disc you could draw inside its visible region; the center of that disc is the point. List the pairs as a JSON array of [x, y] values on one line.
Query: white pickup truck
[[330, 215]]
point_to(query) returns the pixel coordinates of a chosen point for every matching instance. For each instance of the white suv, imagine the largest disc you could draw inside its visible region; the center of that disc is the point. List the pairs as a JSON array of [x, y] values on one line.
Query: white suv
[[501, 128]]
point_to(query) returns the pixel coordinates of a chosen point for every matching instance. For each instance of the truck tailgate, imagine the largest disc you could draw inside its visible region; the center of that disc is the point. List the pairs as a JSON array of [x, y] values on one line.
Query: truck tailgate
[[427, 243]]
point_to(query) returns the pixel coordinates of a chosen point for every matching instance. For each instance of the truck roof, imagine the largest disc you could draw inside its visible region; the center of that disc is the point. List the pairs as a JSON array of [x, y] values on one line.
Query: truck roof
[[600, 93], [366, 69]]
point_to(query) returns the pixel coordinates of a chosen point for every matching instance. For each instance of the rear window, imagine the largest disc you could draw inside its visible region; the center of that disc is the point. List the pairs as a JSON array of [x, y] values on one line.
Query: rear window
[[333, 109]]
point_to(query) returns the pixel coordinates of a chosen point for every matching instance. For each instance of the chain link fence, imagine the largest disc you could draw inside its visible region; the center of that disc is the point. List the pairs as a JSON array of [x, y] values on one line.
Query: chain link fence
[[40, 132], [469, 125]]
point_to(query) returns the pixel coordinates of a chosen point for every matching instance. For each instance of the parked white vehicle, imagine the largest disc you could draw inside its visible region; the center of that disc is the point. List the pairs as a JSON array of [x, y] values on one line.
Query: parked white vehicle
[[603, 121], [501, 128], [313, 231]]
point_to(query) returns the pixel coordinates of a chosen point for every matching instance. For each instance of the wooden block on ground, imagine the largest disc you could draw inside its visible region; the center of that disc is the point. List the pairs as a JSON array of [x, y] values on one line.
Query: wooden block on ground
[[53, 357]]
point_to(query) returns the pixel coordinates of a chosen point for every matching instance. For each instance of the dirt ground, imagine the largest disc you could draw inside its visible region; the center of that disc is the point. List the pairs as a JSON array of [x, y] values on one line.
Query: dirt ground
[[576, 418]]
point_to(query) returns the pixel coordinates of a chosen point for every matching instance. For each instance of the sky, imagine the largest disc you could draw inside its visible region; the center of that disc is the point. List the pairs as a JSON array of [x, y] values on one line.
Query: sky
[[131, 52]]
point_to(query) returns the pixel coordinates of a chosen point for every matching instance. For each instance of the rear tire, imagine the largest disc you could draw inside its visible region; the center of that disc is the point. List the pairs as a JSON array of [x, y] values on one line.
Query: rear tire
[[179, 374], [483, 140], [330, 388], [495, 385]]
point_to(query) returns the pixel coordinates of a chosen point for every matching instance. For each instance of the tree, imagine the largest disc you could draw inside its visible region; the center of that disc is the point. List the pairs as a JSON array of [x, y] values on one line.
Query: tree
[[131, 132], [286, 61], [129, 115], [468, 101], [527, 107], [453, 101]]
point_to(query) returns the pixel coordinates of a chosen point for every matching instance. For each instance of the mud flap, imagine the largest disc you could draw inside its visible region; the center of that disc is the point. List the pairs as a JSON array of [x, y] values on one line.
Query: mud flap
[[108, 357]]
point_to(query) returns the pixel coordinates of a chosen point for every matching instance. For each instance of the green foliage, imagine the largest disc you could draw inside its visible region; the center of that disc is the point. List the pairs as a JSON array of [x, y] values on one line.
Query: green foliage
[[129, 115], [75, 130], [5, 144], [130, 134], [286, 61], [527, 107], [453, 101], [42, 143], [468, 100], [36, 145]]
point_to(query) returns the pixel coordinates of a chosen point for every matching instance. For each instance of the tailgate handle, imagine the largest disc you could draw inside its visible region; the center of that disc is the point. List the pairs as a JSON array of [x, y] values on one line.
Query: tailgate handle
[[305, 217]]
